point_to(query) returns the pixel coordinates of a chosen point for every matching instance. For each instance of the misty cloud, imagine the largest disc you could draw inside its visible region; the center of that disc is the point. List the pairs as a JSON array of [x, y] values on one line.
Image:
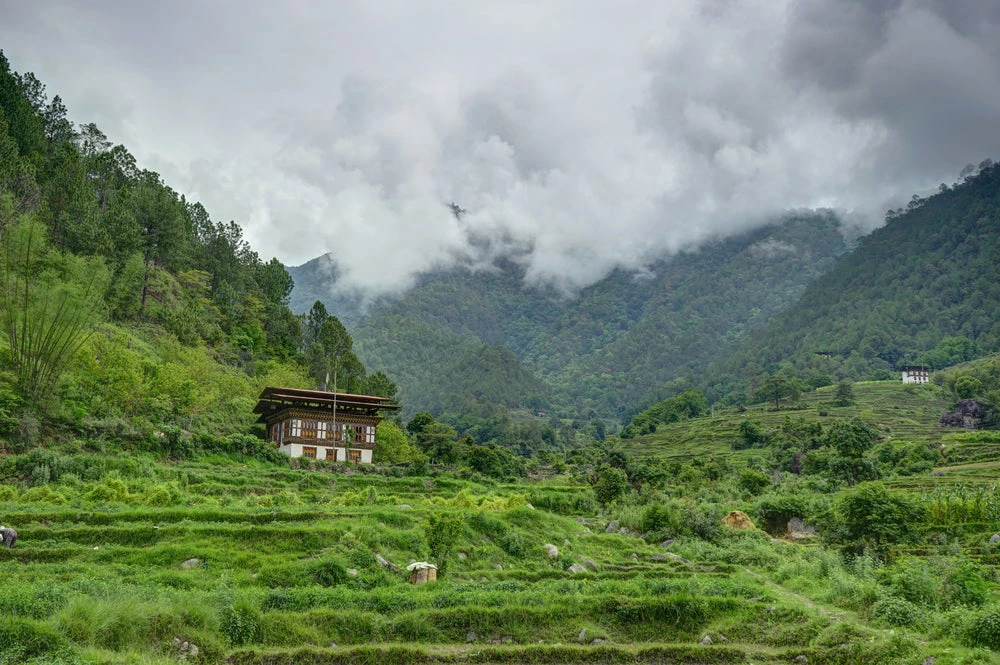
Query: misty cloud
[[578, 136]]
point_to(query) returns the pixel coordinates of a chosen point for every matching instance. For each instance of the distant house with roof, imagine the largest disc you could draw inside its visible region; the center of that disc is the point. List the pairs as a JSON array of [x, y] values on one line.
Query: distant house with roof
[[322, 425], [915, 373]]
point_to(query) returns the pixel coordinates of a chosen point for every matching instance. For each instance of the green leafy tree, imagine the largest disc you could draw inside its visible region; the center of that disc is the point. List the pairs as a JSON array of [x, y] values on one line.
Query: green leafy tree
[[967, 387], [392, 445], [442, 532], [875, 516], [844, 393], [777, 387], [610, 484], [851, 440]]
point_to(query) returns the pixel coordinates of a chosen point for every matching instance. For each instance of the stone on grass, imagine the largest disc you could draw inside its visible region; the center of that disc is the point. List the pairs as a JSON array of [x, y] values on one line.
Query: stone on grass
[[352, 572], [667, 543], [588, 563], [471, 636], [385, 563], [551, 550], [404, 506], [582, 637], [801, 660], [598, 640], [576, 568], [706, 640], [995, 538], [612, 526], [191, 563]]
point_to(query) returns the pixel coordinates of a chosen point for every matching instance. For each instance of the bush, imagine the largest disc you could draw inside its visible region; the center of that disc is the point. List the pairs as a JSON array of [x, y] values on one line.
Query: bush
[[240, 622], [611, 484], [876, 516], [966, 586], [22, 639], [985, 630], [754, 482], [897, 612]]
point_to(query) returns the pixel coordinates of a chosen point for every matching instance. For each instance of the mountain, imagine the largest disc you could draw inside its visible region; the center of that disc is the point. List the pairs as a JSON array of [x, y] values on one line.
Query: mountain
[[924, 288], [606, 351]]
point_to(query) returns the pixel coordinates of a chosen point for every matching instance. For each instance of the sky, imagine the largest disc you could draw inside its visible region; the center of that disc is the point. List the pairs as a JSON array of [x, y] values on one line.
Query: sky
[[578, 135]]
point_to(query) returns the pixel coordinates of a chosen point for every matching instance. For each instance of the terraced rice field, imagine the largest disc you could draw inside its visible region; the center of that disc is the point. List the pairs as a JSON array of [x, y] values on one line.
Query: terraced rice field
[[255, 564]]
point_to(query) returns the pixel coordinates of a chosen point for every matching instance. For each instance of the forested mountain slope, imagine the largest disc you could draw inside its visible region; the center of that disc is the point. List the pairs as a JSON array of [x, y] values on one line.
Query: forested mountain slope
[[924, 288], [610, 348]]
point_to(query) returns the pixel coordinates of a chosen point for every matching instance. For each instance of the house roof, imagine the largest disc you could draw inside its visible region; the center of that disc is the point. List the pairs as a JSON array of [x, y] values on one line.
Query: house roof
[[273, 399]]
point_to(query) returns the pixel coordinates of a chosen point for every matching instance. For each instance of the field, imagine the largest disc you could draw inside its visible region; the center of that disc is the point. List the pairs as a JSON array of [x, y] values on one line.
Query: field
[[135, 558]]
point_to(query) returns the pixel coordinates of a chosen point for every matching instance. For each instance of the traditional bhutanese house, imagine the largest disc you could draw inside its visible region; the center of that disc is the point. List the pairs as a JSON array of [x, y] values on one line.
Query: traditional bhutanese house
[[322, 425], [915, 373]]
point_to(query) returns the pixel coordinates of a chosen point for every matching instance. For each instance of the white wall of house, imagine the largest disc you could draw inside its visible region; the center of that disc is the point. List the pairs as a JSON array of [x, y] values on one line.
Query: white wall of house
[[914, 377], [338, 454]]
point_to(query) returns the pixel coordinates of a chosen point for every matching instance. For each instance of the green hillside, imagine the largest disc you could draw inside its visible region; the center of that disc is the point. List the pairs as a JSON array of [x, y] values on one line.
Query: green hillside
[[924, 289], [606, 350]]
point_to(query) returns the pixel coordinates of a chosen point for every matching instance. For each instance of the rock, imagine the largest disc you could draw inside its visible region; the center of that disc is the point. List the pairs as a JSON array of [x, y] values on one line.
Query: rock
[[612, 526], [499, 567], [404, 506], [576, 568], [598, 640], [723, 639], [551, 550], [567, 544], [333, 645], [930, 660], [968, 413], [995, 538], [582, 637], [471, 636], [588, 563], [659, 557], [706, 640], [462, 556], [737, 519], [529, 506], [385, 563], [676, 557], [801, 660], [352, 572], [190, 563], [667, 543], [796, 524], [193, 651]]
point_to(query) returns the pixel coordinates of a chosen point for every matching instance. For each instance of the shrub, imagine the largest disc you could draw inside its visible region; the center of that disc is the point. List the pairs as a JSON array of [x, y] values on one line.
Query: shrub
[[985, 629], [611, 484], [22, 639], [876, 516], [965, 585], [897, 612], [442, 532], [240, 622], [754, 482]]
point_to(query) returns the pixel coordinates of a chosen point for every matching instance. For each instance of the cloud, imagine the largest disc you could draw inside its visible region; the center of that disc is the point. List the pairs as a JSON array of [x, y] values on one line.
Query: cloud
[[578, 136]]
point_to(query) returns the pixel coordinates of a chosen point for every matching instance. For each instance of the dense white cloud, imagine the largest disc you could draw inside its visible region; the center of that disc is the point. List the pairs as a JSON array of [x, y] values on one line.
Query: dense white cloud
[[579, 136]]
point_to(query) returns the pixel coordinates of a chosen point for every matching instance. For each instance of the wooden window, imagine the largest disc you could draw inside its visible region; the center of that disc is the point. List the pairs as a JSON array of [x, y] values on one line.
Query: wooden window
[[370, 434], [296, 427], [321, 429], [331, 454], [309, 429], [354, 456], [309, 451]]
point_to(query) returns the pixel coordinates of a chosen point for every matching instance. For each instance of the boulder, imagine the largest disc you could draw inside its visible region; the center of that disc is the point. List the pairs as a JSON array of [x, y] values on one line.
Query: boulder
[[737, 519], [582, 637], [576, 568], [801, 660], [667, 543], [187, 564], [967, 413], [995, 538], [352, 572], [385, 563], [471, 636], [612, 526], [588, 563], [404, 506], [551, 550], [705, 640]]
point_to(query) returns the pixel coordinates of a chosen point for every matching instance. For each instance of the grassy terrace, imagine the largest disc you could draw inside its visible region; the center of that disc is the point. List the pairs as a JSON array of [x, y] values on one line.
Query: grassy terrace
[[256, 564], [124, 559]]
